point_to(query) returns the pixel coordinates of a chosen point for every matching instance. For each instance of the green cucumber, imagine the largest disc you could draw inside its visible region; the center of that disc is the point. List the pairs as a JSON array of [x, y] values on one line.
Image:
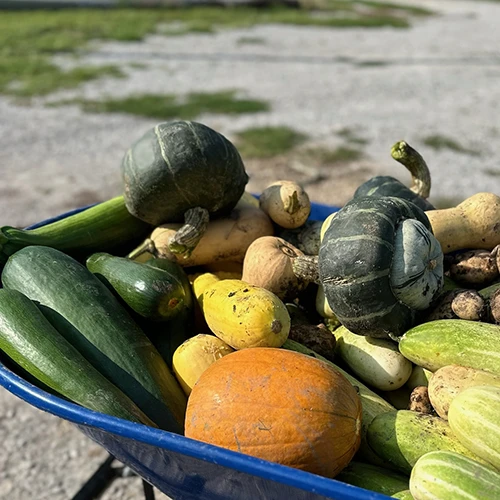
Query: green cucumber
[[474, 417], [88, 315], [151, 292], [443, 342], [373, 478], [446, 475], [403, 436], [372, 404], [107, 226], [403, 495], [34, 344]]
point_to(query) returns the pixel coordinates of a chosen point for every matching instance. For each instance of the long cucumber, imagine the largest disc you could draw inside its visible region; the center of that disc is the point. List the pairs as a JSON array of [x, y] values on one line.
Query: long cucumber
[[34, 344], [89, 316], [443, 342], [103, 227]]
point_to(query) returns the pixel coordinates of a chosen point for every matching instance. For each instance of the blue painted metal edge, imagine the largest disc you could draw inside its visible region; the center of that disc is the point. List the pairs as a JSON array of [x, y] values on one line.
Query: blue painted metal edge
[[181, 444]]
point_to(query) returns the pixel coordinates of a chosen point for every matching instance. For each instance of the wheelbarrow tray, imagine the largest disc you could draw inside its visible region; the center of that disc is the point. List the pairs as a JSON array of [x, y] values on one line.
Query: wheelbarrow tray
[[180, 467]]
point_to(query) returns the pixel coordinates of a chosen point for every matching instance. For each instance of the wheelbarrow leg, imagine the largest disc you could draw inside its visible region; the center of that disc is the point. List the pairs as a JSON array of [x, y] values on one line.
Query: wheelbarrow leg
[[98, 482], [149, 492]]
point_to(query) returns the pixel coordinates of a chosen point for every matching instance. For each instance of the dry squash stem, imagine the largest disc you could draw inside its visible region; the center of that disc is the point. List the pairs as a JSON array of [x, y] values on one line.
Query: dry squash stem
[[188, 236], [403, 153], [305, 267]]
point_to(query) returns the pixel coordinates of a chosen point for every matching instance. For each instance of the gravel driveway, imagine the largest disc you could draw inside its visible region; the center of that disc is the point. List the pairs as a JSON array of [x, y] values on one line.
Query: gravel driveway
[[438, 78]]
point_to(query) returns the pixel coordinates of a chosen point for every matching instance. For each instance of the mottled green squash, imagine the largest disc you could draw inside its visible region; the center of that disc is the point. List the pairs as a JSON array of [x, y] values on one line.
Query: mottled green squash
[[179, 165]]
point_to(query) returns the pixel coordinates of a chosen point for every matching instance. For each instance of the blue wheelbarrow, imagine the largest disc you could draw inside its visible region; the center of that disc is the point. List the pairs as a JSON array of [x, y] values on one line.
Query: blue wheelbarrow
[[180, 467]]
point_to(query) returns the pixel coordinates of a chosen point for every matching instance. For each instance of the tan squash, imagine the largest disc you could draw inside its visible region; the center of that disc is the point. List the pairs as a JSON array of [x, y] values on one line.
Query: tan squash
[[286, 203], [277, 405], [268, 263], [194, 356], [449, 381], [225, 239], [473, 224]]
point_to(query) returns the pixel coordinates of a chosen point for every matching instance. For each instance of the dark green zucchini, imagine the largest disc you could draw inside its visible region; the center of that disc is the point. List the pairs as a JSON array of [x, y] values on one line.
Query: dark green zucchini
[[88, 315], [107, 226], [151, 292], [34, 344], [367, 245]]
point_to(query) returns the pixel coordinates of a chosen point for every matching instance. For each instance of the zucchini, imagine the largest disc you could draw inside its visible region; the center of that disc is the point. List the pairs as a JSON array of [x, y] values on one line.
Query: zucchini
[[372, 404], [373, 478], [107, 226], [438, 343], [375, 361], [34, 344], [88, 315], [403, 436], [446, 475], [151, 292], [403, 495], [474, 417]]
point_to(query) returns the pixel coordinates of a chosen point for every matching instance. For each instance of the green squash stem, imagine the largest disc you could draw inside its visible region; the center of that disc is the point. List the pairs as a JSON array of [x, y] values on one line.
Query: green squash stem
[[184, 241], [403, 153]]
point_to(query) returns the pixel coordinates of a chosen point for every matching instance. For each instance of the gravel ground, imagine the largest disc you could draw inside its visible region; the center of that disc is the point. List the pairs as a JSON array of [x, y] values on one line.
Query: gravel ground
[[439, 77]]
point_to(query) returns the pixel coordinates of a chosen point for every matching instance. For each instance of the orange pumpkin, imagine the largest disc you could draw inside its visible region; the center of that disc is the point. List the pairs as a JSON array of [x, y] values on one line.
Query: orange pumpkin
[[277, 405]]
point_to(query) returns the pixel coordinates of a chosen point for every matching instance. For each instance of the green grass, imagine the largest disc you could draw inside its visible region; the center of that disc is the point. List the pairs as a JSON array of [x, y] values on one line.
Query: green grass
[[266, 142], [325, 156], [28, 39], [171, 106], [440, 142], [351, 136]]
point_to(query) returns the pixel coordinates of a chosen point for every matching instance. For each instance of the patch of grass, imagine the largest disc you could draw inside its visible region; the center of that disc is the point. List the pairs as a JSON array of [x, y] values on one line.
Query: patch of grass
[[265, 142], [171, 106], [250, 40], [341, 154], [494, 172], [28, 39], [350, 136], [439, 142]]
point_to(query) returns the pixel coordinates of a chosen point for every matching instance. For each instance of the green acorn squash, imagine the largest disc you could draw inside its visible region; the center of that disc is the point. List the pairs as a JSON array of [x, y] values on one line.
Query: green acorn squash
[[182, 171]]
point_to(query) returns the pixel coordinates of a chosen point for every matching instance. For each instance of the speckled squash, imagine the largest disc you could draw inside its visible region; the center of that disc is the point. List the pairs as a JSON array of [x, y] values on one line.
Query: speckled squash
[[363, 250], [244, 315], [180, 165], [277, 405]]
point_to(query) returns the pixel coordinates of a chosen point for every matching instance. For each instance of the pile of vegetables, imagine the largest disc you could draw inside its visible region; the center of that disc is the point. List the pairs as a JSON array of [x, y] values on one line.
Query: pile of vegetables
[[364, 348]]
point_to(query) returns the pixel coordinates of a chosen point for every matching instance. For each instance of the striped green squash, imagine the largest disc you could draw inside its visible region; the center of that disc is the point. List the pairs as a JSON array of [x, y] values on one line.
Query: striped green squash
[[378, 265], [474, 417], [179, 165], [443, 342], [446, 475]]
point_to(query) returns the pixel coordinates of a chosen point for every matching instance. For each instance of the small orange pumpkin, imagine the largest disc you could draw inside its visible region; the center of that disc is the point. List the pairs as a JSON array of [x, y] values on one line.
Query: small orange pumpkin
[[280, 406]]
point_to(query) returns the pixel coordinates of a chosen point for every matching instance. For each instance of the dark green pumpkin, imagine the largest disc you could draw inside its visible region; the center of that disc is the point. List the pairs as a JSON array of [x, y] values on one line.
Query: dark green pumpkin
[[356, 258], [180, 165], [385, 185]]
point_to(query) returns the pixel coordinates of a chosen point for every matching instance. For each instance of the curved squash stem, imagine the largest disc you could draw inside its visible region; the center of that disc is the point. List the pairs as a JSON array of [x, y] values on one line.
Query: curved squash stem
[[186, 238], [403, 153], [305, 268], [147, 246]]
